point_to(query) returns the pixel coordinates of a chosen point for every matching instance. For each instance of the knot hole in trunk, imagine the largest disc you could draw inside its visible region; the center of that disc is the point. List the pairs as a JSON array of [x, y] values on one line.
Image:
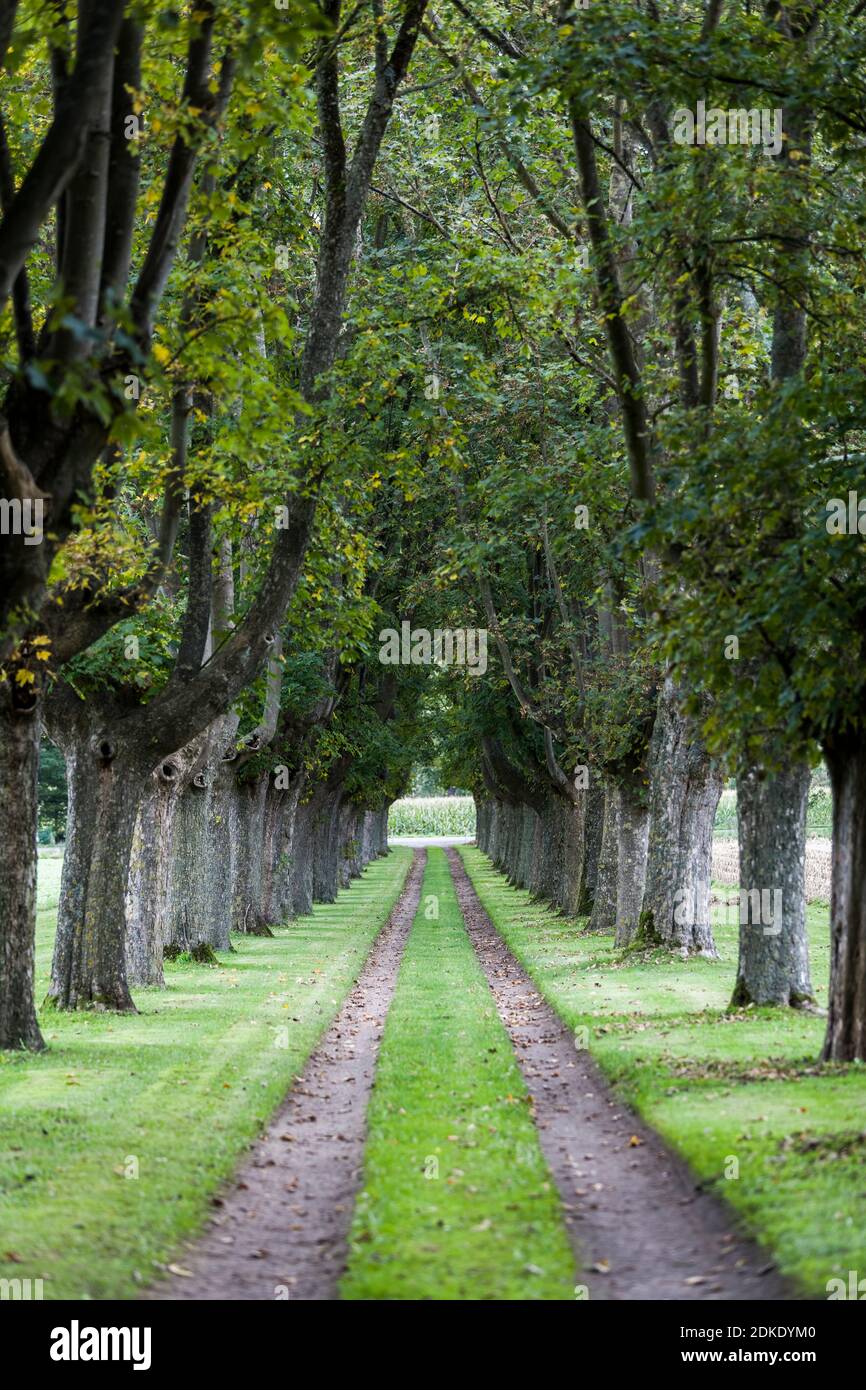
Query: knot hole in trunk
[[104, 748]]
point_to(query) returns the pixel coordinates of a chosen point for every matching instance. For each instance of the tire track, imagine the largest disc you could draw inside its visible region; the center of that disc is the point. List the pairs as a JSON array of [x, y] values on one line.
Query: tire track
[[633, 1210], [281, 1226]]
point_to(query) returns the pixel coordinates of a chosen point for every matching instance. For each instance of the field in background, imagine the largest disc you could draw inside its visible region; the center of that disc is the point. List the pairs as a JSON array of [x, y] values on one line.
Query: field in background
[[726, 866], [819, 817], [432, 815], [455, 815]]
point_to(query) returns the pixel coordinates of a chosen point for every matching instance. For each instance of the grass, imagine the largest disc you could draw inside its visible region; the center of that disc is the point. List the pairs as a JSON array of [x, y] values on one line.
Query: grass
[[432, 815], [719, 1086], [458, 1201], [174, 1093]]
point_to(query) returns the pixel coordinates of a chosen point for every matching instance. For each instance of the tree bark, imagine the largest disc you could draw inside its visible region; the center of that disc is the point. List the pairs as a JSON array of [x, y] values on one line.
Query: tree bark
[[326, 860], [685, 786], [281, 832], [774, 948], [603, 916], [301, 868], [19, 770], [592, 837], [845, 1040], [202, 849], [89, 967], [248, 856], [149, 883], [632, 836]]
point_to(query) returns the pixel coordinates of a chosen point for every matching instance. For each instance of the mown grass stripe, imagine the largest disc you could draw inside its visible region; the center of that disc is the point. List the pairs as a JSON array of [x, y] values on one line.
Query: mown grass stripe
[[182, 1088], [738, 1095], [458, 1201]]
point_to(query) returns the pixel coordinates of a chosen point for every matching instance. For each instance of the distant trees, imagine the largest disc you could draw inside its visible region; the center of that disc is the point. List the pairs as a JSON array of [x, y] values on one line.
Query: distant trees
[[52, 789]]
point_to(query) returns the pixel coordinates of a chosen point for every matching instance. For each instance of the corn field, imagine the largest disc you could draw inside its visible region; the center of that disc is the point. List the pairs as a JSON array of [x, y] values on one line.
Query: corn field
[[819, 816], [432, 815]]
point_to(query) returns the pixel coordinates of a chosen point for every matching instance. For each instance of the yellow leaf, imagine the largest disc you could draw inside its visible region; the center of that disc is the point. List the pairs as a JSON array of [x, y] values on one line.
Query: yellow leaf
[[24, 677]]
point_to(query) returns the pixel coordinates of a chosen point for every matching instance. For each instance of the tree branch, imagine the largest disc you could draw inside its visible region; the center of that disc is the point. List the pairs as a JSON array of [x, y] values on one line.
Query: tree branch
[[62, 147]]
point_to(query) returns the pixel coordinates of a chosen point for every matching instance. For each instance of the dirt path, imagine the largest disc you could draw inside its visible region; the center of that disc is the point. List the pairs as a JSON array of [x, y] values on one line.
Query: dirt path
[[633, 1211], [283, 1222]]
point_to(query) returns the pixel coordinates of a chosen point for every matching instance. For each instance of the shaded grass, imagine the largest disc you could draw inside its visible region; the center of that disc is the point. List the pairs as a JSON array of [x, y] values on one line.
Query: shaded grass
[[719, 1086], [458, 1201], [174, 1093]]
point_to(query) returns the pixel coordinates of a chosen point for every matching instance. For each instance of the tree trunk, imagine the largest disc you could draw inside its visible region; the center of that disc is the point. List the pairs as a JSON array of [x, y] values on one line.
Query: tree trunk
[[149, 882], [632, 833], [529, 819], [846, 1023], [593, 819], [685, 786], [603, 916], [326, 848], [19, 771], [202, 854], [513, 842], [248, 856], [572, 819], [301, 867], [281, 819], [482, 824], [383, 828], [105, 788], [347, 845], [774, 948]]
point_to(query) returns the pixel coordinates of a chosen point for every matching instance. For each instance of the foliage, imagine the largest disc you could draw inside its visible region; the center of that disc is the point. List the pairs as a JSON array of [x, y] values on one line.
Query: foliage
[[52, 789]]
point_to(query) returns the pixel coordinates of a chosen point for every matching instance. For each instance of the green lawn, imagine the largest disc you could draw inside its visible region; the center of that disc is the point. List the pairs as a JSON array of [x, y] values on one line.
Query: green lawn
[[718, 1086], [176, 1093], [458, 1201]]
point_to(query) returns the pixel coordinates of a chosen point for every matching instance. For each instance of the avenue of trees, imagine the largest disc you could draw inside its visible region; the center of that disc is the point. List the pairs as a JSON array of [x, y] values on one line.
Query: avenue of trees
[[322, 318]]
